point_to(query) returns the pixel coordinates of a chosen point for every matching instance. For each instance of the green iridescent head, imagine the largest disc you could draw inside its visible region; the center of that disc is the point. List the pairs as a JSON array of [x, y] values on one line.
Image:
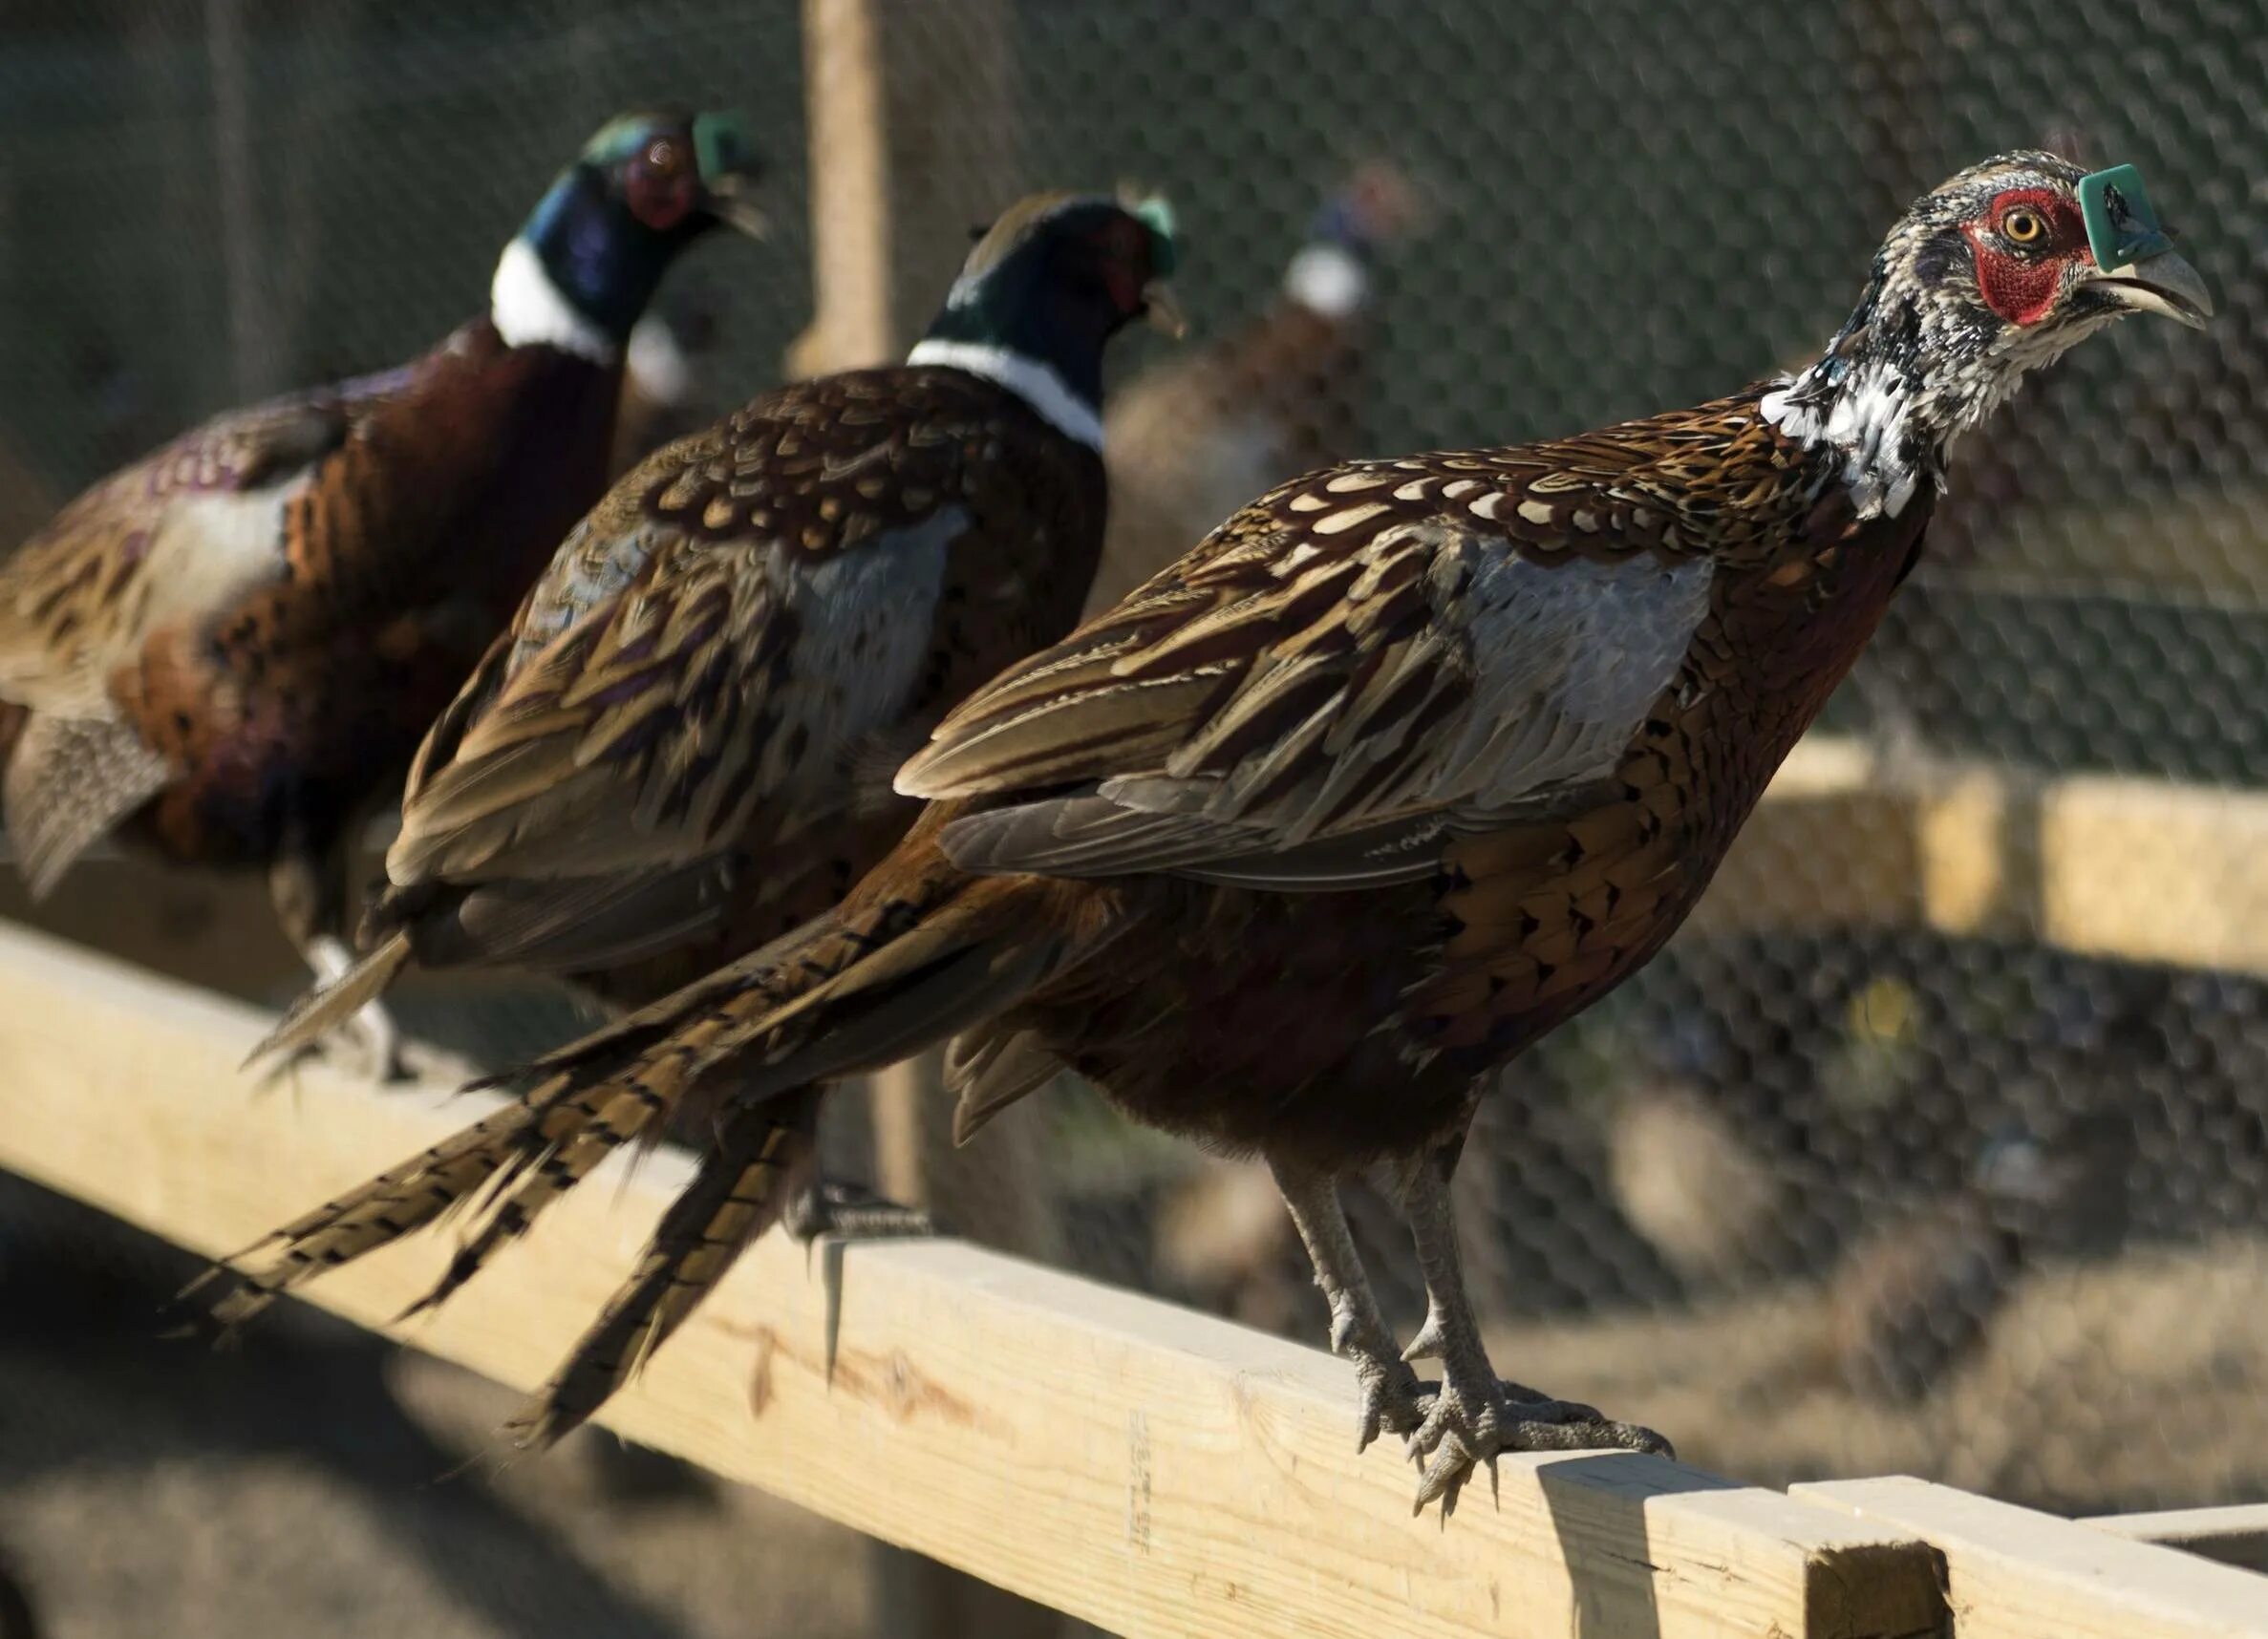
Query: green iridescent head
[[643, 188]]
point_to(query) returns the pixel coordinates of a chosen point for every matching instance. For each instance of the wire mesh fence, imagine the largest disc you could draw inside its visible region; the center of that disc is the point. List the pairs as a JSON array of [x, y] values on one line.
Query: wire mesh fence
[[1826, 1189]]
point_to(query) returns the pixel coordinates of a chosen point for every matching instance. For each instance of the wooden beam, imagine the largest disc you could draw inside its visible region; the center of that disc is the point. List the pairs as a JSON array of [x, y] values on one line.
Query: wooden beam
[[1142, 1467], [2155, 871], [2231, 1536], [2012, 1573]]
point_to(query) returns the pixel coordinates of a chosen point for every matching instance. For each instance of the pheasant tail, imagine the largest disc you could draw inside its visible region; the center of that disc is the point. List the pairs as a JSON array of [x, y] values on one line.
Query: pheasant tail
[[885, 975], [326, 1007], [70, 781], [743, 1185]]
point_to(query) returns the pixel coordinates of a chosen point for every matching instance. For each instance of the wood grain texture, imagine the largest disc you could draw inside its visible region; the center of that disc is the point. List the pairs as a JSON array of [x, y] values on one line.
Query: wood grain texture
[[2012, 1573], [1148, 1469]]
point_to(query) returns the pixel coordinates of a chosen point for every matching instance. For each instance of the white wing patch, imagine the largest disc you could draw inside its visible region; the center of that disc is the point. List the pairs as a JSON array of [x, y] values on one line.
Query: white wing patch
[[864, 624], [1556, 664], [205, 552], [1567, 659]]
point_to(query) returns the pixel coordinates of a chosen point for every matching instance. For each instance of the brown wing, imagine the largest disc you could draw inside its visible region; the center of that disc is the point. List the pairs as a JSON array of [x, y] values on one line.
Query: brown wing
[[181, 533], [1357, 663], [720, 632]]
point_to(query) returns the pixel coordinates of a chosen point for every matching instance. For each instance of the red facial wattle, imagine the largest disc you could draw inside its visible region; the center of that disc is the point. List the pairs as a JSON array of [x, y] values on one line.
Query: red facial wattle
[[2022, 286]]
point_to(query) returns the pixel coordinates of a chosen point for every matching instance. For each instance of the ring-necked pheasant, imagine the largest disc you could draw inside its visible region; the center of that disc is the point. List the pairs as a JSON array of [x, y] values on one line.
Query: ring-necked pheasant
[[1195, 437], [664, 762], [235, 643], [1405, 764]]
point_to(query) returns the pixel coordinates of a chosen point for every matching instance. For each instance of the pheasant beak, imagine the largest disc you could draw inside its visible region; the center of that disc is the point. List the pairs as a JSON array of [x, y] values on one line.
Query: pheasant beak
[[1163, 310], [2163, 283]]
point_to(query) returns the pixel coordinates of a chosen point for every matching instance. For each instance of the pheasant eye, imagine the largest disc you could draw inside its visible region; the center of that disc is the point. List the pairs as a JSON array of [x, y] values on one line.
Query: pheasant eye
[[660, 183], [2022, 225]]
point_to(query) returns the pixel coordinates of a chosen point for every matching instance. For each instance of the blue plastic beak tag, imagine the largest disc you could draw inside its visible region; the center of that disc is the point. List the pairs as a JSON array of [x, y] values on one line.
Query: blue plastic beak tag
[[721, 144], [2121, 226]]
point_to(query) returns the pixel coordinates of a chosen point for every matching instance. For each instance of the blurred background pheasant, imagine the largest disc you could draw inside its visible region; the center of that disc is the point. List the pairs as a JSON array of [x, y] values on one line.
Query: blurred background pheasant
[[1404, 765], [231, 647], [1195, 437], [682, 746]]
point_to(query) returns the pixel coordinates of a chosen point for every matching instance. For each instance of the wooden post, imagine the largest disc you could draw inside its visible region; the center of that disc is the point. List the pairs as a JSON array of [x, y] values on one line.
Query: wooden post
[[911, 144], [850, 215]]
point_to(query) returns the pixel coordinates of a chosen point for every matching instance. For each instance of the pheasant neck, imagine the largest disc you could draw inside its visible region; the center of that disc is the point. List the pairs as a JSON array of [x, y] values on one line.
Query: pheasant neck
[[1071, 412], [581, 271], [1899, 384], [1328, 278], [528, 310]]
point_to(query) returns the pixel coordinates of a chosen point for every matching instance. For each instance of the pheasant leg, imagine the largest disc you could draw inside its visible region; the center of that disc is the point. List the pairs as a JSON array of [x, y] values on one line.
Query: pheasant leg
[[1358, 1332], [833, 1206], [1475, 1416], [311, 901]]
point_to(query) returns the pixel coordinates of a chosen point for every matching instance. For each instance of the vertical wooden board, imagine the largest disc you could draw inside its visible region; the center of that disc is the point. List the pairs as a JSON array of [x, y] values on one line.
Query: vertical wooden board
[[1151, 1470], [2014, 1573]]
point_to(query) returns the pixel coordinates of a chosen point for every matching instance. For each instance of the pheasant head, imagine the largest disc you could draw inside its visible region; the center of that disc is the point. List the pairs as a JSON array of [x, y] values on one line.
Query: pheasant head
[[1992, 274], [594, 250], [1044, 289]]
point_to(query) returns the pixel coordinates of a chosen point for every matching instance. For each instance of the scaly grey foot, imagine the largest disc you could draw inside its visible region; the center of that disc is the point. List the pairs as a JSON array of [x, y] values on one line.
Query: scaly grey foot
[[1393, 1399], [854, 1212], [1462, 1429]]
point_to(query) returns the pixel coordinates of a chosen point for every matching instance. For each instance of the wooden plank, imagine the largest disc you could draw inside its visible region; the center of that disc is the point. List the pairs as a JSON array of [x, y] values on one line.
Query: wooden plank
[[2151, 870], [1153, 1471], [2013, 1573], [2231, 1536], [1829, 846]]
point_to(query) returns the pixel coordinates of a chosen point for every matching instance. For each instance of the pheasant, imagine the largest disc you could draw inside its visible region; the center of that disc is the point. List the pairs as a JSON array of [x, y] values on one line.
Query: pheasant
[[1193, 438], [661, 763], [229, 647], [1405, 763]]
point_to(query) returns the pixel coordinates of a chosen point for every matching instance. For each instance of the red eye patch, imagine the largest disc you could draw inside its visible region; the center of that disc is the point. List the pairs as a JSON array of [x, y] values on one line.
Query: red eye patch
[[2018, 277]]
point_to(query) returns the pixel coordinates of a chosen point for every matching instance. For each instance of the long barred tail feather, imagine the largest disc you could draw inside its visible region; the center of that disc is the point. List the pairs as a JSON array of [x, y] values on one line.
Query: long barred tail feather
[[326, 1007], [890, 972], [381, 1211], [743, 1185]]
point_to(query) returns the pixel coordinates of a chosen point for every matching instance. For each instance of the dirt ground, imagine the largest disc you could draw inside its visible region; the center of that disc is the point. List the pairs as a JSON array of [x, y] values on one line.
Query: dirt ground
[[2099, 1388], [318, 1482]]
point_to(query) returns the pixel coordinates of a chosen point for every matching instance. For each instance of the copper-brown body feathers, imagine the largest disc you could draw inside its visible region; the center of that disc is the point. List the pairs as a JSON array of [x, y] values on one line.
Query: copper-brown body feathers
[[251, 627]]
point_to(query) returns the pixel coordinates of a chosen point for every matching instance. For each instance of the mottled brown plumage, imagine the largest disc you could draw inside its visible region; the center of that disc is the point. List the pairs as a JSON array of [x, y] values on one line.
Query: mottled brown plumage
[[234, 645], [1406, 763], [681, 748]]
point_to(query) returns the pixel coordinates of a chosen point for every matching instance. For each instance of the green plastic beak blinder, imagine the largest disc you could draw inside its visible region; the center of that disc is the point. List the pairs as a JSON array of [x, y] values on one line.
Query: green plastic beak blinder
[[2122, 228], [721, 145]]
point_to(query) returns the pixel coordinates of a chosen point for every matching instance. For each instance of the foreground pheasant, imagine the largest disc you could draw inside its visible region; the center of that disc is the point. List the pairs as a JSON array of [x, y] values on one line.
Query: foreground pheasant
[[662, 764], [236, 642], [1405, 764]]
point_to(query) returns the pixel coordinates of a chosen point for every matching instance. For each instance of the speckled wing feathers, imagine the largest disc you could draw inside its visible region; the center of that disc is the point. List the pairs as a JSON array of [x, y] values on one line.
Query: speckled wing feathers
[[717, 635], [1354, 665]]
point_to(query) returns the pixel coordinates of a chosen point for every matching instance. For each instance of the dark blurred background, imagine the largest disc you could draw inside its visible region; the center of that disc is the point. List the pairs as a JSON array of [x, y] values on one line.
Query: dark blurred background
[[1939, 1144]]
